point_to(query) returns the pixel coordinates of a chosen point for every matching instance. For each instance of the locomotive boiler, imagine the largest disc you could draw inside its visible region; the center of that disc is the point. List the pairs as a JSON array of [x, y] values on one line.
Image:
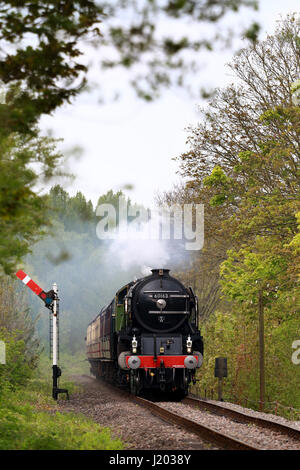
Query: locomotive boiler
[[148, 337]]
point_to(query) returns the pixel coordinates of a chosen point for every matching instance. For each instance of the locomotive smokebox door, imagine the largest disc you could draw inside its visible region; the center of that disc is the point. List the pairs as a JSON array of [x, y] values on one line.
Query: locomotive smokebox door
[[221, 367]]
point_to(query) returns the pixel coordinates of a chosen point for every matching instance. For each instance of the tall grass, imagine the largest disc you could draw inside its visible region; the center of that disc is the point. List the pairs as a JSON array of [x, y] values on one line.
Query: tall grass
[[29, 417]]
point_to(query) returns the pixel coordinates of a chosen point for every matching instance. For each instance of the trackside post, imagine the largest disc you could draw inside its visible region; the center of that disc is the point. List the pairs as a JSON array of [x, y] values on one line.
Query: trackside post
[[51, 301]]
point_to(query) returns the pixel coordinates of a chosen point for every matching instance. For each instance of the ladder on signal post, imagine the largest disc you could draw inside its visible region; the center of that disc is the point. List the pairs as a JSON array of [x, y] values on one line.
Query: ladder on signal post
[[51, 301]]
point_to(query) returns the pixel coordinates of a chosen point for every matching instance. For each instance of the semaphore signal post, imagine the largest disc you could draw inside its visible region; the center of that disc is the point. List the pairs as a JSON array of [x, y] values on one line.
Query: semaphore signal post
[[51, 301]]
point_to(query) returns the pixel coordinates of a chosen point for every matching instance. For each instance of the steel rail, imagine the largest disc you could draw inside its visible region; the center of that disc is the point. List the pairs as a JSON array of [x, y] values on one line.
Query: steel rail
[[209, 434], [242, 417], [206, 433]]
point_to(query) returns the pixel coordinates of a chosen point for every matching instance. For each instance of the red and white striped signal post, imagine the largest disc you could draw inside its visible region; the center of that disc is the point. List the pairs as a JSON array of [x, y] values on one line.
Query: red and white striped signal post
[[51, 301]]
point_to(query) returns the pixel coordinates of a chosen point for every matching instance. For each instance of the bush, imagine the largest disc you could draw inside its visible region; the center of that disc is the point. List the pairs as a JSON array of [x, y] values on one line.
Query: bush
[[29, 420], [17, 371], [22, 428], [235, 336]]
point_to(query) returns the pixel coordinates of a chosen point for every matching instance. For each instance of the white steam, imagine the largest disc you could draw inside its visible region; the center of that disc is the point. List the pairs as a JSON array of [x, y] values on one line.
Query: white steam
[[140, 246]]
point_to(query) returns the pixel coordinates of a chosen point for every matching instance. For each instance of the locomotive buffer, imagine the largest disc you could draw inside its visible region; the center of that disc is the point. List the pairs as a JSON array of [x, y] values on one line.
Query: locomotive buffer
[[51, 302]]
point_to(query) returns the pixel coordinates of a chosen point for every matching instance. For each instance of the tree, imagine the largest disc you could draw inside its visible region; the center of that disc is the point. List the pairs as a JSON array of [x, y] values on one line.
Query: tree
[[22, 211], [47, 68], [244, 162], [263, 193], [243, 165], [244, 157], [200, 269], [232, 122], [112, 198], [40, 69], [76, 213], [147, 38], [115, 199], [87, 270], [48, 64], [16, 318]]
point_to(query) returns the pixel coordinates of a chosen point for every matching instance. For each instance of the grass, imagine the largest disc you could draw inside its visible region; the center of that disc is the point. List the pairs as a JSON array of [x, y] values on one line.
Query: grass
[[30, 420]]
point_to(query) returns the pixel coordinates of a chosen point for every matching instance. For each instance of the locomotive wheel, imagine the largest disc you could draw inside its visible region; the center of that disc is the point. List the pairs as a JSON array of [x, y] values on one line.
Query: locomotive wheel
[[180, 394], [134, 382], [184, 389]]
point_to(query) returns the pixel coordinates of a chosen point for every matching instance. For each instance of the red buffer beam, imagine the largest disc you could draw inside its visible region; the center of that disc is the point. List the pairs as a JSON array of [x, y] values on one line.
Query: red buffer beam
[[47, 297]]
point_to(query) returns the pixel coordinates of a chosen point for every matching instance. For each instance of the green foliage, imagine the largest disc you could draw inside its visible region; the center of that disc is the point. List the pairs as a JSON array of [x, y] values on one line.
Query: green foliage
[[87, 272], [40, 71], [295, 243], [232, 123], [111, 198], [17, 371], [48, 67], [70, 364], [231, 336], [37, 78], [163, 54], [75, 213], [218, 179], [234, 335], [295, 86], [245, 272], [252, 32], [15, 315], [24, 161], [29, 420], [244, 165]]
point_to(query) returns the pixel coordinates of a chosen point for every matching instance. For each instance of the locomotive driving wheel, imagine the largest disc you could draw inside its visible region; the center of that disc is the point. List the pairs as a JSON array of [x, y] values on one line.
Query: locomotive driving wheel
[[134, 382], [182, 390]]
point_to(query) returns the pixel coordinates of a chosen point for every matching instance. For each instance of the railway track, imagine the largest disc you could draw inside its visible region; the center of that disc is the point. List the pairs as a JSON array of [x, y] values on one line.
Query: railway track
[[242, 417], [209, 434], [212, 430]]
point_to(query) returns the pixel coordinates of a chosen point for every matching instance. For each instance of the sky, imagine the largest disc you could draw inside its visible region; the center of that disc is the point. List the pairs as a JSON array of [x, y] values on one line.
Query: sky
[[129, 141]]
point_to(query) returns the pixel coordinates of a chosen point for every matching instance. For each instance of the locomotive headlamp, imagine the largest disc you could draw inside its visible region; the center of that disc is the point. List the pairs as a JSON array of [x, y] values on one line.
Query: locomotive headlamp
[[134, 344], [189, 344]]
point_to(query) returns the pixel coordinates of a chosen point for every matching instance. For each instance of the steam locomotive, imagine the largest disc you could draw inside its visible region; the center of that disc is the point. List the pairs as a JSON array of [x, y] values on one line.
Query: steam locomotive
[[147, 337]]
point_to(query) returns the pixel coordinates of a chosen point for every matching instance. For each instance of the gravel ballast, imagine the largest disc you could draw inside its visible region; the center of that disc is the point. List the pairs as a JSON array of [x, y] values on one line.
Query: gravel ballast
[[250, 433], [258, 414], [139, 429], [136, 426]]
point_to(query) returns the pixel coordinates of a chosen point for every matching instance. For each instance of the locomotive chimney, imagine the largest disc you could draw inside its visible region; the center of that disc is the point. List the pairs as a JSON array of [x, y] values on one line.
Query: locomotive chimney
[[160, 272]]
